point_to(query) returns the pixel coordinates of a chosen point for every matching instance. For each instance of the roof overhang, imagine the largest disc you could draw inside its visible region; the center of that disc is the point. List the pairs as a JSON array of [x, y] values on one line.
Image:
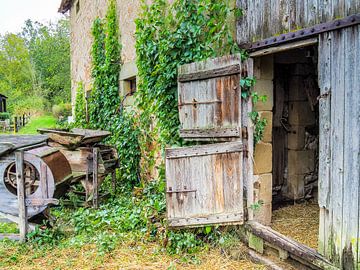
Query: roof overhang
[[3, 96], [65, 6]]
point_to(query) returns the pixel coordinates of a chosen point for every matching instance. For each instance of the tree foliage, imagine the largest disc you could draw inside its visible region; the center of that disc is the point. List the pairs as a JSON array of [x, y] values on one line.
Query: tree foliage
[[35, 66]]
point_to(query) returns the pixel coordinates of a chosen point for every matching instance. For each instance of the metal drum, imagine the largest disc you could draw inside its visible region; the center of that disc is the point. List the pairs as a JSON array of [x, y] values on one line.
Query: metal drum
[[45, 170]]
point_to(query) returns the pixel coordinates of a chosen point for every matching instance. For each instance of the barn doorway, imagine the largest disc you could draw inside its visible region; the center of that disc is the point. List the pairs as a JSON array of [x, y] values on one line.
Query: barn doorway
[[295, 138]]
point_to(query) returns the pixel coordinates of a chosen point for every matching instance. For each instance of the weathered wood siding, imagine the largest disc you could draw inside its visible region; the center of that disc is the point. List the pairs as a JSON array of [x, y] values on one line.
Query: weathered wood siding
[[264, 19], [210, 98], [205, 184], [339, 172]]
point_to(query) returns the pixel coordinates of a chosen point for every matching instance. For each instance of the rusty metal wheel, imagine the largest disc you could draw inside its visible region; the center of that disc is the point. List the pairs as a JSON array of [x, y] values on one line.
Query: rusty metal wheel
[[31, 178]]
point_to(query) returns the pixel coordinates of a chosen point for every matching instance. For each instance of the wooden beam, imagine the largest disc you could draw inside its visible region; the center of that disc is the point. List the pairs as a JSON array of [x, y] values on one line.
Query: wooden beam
[[295, 248], [23, 226], [285, 47]]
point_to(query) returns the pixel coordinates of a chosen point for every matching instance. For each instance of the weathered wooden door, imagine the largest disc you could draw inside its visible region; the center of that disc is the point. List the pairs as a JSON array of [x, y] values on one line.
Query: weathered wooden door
[[205, 183]]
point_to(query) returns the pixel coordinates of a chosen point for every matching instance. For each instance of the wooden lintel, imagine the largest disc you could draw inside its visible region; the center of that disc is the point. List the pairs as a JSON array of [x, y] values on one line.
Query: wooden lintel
[[207, 74], [285, 47]]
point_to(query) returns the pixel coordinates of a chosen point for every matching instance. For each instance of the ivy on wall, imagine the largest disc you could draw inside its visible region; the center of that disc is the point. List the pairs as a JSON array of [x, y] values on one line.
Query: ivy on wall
[[105, 101], [80, 106], [168, 36]]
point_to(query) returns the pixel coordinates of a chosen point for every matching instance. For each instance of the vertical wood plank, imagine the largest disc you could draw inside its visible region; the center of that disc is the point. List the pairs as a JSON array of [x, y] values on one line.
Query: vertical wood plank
[[324, 67], [95, 177], [23, 223], [337, 141], [248, 158], [350, 227]]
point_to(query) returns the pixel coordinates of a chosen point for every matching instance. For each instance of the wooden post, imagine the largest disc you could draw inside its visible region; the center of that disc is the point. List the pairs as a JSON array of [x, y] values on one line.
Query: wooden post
[[95, 177], [15, 124], [23, 120], [23, 226]]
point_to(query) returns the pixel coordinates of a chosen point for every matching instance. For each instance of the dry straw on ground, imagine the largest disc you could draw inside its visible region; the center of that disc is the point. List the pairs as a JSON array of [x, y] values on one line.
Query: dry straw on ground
[[129, 256], [299, 222]]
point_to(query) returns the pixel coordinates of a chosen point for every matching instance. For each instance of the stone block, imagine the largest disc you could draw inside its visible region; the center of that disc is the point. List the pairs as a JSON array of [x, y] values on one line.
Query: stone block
[[297, 89], [263, 158], [265, 87], [263, 187], [295, 187], [267, 67], [263, 214], [300, 113], [268, 128], [296, 138], [301, 161], [264, 67]]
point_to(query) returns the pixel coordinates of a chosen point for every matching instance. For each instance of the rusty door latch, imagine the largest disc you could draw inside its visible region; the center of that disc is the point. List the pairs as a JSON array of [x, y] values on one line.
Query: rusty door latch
[[184, 190]]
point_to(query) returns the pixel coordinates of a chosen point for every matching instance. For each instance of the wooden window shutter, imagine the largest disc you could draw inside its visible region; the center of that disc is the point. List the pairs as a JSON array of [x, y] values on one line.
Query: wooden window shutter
[[209, 96]]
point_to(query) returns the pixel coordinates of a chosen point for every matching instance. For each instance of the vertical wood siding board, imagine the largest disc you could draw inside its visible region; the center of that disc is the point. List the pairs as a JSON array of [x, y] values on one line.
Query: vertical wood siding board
[[351, 159], [338, 138], [357, 86], [292, 13], [324, 66]]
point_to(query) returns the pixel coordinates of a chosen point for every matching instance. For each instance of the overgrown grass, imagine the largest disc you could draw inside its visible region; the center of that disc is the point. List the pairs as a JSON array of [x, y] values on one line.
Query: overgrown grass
[[44, 121], [128, 231]]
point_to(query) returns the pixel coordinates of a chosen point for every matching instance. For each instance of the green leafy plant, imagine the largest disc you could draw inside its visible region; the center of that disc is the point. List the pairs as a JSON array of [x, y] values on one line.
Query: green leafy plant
[[80, 106]]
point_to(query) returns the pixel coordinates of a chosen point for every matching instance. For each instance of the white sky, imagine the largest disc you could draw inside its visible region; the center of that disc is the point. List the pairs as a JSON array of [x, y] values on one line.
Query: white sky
[[13, 13]]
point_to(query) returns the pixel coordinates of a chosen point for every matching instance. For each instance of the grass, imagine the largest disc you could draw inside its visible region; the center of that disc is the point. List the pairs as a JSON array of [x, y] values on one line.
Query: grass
[[127, 255], [44, 121]]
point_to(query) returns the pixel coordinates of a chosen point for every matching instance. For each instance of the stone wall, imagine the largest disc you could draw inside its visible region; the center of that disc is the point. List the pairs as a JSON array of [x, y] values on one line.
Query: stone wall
[[82, 15], [264, 74]]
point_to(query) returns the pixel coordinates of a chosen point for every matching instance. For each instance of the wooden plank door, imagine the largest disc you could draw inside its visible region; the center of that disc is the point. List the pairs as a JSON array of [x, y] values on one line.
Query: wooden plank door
[[209, 95], [205, 184]]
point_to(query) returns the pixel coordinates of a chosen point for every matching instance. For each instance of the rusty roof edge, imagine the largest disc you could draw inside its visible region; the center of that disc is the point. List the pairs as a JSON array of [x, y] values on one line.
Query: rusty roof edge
[[302, 33], [65, 6]]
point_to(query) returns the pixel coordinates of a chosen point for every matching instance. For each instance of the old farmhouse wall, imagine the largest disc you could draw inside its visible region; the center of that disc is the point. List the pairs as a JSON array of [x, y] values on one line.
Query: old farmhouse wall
[[82, 15]]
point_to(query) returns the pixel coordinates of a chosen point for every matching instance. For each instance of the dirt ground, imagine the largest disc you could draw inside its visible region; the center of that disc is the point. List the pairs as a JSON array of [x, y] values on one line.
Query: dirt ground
[[299, 222]]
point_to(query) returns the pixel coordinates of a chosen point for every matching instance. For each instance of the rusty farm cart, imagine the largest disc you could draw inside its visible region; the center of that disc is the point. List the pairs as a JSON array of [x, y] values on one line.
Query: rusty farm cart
[[35, 171]]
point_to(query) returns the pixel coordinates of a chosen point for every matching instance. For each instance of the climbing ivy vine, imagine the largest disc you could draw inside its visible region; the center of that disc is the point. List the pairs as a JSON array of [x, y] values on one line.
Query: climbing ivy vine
[[105, 109], [168, 36], [80, 106]]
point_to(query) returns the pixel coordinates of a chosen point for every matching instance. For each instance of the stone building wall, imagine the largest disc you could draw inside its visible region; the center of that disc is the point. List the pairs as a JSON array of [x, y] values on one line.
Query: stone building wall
[[82, 15]]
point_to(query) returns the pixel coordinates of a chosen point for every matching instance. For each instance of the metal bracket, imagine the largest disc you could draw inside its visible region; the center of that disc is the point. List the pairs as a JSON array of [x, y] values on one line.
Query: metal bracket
[[185, 190]]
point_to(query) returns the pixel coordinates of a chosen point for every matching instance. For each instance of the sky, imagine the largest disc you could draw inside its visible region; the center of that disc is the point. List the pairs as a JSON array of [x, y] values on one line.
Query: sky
[[13, 13]]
